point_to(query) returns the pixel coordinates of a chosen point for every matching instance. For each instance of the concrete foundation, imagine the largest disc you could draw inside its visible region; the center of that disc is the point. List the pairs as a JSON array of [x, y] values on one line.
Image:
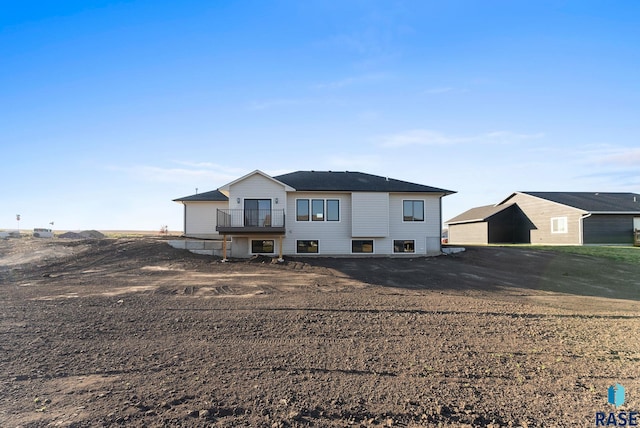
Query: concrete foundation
[[197, 246]]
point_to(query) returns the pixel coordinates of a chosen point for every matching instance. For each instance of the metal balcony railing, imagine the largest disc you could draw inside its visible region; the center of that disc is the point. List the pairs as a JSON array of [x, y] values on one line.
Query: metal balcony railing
[[250, 221]]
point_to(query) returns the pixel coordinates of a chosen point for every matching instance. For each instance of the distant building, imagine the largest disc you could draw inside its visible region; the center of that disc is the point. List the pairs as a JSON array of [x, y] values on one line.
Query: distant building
[[557, 218]]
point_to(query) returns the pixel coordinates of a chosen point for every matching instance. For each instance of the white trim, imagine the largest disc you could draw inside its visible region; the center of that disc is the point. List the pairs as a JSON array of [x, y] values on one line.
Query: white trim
[[616, 212], [424, 208], [324, 212], [560, 230]]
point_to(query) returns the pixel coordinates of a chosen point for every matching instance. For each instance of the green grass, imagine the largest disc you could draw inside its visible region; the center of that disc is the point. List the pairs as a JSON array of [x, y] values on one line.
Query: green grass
[[621, 254]]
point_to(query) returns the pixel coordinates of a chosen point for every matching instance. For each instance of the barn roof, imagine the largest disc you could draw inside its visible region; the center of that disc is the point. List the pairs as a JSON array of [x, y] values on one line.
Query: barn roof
[[593, 201], [478, 214]]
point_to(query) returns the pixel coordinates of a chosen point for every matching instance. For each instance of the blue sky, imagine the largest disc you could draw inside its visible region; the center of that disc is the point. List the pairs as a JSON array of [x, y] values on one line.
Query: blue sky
[[111, 109]]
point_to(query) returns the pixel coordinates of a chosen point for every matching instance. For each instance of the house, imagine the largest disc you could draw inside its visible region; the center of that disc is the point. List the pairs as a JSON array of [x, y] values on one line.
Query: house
[[557, 218], [318, 213]]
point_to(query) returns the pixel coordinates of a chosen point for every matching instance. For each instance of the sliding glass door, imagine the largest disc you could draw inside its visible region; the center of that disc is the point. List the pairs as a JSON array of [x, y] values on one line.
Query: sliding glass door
[[257, 212]]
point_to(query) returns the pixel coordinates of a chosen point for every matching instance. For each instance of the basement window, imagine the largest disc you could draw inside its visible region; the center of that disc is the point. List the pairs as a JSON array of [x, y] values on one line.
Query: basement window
[[404, 246], [559, 225], [259, 246], [306, 246], [362, 246]]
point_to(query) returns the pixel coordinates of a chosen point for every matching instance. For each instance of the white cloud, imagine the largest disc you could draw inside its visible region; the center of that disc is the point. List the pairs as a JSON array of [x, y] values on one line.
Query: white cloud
[[434, 91], [622, 156], [427, 137], [509, 136], [197, 173]]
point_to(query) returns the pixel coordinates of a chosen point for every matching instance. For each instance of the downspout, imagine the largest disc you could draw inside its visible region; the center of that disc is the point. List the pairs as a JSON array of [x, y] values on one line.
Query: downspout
[[440, 223], [581, 228], [185, 219]]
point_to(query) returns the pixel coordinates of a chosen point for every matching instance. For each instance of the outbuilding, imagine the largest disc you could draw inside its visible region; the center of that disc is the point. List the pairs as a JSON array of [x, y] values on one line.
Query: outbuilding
[[555, 218]]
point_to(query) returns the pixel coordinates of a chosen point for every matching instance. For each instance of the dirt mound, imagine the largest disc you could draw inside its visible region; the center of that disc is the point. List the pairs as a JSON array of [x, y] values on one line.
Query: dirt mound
[[133, 332], [85, 234]]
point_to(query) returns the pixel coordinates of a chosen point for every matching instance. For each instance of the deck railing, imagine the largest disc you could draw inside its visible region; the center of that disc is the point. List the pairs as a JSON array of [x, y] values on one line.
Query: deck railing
[[249, 220]]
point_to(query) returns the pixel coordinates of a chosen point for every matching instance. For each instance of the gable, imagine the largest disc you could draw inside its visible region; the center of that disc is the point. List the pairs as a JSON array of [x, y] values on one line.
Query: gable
[[593, 202], [253, 176], [478, 214]]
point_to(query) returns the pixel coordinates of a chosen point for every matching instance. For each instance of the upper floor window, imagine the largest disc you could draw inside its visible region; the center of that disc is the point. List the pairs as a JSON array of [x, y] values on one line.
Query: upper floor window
[[317, 210], [413, 210], [333, 210], [302, 209], [559, 225]]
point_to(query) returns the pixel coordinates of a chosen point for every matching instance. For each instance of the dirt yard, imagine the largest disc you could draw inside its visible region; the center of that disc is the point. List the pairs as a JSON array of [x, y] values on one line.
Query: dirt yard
[[131, 332]]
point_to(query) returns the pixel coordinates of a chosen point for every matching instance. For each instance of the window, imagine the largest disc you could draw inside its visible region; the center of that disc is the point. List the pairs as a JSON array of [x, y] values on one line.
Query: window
[[404, 246], [307, 246], [413, 210], [333, 210], [262, 246], [302, 209], [559, 225], [362, 246], [317, 210]]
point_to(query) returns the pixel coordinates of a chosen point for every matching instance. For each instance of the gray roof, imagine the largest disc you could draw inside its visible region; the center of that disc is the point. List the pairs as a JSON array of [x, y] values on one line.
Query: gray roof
[[593, 201], [348, 181], [214, 195], [478, 214]]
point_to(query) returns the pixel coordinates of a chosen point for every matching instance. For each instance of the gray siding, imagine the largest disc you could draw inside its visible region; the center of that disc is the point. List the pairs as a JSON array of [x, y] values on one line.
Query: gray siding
[[540, 212], [333, 236], [469, 233], [200, 219], [608, 229], [426, 234], [370, 214], [384, 215], [510, 226]]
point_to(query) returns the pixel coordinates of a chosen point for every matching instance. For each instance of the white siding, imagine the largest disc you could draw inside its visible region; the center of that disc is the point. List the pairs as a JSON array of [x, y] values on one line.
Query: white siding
[[257, 187], [370, 214], [379, 213], [426, 234], [333, 236], [200, 219]]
